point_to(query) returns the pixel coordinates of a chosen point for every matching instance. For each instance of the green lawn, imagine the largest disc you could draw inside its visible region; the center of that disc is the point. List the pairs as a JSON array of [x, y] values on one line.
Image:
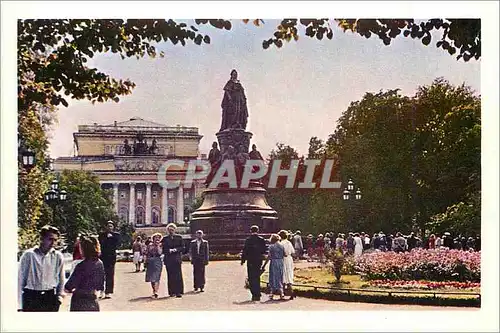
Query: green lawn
[[323, 277]]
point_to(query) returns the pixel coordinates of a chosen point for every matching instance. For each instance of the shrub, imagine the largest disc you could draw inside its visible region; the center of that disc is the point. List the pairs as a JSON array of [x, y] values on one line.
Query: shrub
[[420, 264]]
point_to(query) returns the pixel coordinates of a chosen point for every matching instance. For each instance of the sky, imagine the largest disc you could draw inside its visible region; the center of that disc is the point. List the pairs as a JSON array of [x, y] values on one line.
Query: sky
[[293, 93]]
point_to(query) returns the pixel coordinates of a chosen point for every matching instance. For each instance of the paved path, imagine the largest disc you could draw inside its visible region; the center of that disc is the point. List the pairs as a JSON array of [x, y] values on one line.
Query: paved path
[[224, 291]]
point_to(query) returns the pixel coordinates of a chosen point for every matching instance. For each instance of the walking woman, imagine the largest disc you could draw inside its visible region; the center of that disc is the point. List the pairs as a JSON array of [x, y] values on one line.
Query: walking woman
[[154, 264], [287, 262], [87, 278], [276, 255], [358, 245]]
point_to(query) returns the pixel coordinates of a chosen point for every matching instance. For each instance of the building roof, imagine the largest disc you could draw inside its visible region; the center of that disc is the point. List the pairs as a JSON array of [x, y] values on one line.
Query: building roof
[[138, 122]]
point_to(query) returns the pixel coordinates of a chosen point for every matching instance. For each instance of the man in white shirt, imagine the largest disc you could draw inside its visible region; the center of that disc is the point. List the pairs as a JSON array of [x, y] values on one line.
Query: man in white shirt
[[199, 253], [41, 275]]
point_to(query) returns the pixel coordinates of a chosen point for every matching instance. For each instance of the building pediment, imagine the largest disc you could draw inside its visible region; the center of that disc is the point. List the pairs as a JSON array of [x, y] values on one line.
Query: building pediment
[[137, 122]]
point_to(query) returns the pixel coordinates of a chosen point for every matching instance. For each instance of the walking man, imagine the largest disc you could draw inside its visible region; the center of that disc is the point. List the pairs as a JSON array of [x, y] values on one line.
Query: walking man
[[41, 275], [198, 253], [172, 250], [109, 241], [253, 253]]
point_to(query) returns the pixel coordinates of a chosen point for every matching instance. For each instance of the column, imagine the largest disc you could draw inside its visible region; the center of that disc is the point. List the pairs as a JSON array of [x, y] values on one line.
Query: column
[[180, 204], [115, 196], [164, 205], [148, 203], [195, 191], [131, 209]]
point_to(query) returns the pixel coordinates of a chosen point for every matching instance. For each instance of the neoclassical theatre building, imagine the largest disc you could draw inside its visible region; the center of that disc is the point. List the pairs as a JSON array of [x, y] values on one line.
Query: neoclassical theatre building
[[126, 156]]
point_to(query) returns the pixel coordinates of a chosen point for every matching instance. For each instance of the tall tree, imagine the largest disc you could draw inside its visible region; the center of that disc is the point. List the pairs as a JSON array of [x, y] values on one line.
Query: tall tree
[[413, 156], [290, 203], [87, 207]]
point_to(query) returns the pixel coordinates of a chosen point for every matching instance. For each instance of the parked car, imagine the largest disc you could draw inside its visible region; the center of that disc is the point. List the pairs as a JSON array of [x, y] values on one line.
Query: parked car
[[68, 264]]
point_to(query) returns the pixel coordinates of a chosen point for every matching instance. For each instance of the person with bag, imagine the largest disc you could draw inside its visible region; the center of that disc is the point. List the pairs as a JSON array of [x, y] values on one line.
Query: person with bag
[[153, 263]]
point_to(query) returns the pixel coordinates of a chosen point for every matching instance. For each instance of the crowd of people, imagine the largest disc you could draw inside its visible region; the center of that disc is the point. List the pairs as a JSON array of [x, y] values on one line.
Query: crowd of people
[[41, 271], [315, 247], [42, 279]]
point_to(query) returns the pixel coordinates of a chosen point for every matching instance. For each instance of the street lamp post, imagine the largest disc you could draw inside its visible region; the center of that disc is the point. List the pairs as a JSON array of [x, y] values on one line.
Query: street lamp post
[[54, 196], [26, 156], [350, 195]]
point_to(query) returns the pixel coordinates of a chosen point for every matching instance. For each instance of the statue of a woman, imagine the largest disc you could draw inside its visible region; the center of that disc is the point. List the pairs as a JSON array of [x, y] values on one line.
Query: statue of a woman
[[234, 104]]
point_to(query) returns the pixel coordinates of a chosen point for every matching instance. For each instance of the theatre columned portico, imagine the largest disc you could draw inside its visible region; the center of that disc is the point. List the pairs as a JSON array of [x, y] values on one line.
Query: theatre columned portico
[[128, 166]]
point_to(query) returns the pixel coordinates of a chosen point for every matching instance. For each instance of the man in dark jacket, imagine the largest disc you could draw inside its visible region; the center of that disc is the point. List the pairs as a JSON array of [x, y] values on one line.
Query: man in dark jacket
[[109, 241], [198, 253], [448, 240], [173, 246], [253, 253], [412, 241]]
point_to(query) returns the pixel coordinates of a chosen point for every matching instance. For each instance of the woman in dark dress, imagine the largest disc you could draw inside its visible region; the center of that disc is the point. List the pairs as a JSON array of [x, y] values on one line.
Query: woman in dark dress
[[87, 278]]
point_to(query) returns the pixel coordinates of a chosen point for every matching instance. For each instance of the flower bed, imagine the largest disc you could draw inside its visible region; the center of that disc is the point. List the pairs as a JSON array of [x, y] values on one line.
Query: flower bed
[[425, 285], [420, 264]]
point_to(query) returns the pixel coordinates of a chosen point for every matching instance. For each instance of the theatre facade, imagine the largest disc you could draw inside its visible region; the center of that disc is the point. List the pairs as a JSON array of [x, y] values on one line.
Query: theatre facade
[[126, 156]]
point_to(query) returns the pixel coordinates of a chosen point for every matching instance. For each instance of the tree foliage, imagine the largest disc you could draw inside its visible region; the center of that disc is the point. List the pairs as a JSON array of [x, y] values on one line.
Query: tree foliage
[[416, 159], [51, 59], [459, 36], [88, 207]]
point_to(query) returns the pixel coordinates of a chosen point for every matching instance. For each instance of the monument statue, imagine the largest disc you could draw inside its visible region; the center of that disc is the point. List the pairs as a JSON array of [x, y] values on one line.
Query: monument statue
[[255, 154], [214, 157], [140, 146], [239, 162], [230, 154], [154, 147], [127, 149], [234, 104], [228, 211]]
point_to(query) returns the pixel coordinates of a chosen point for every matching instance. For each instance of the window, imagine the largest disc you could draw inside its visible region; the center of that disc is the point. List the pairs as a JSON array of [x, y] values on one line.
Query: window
[[186, 195], [139, 195], [155, 194], [122, 194], [155, 215], [123, 214], [139, 215], [170, 195], [171, 215]]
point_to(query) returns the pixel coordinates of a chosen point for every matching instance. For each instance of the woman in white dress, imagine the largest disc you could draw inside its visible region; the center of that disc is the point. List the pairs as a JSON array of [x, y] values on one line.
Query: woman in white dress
[[358, 245], [287, 262]]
